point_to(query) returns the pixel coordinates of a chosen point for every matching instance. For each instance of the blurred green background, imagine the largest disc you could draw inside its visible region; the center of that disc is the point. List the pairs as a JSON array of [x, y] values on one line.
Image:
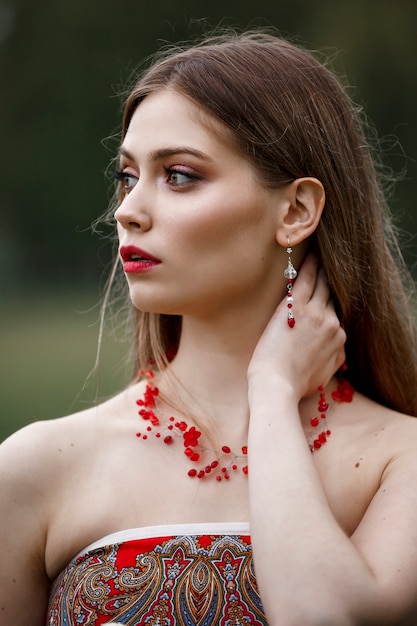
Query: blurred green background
[[62, 65]]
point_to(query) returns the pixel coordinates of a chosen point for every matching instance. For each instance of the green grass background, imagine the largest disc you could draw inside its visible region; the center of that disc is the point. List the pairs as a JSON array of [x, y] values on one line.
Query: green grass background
[[48, 346]]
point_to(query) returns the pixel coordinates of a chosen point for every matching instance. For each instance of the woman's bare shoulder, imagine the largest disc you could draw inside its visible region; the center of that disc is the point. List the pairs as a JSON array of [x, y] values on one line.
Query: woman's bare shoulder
[[382, 424], [41, 448]]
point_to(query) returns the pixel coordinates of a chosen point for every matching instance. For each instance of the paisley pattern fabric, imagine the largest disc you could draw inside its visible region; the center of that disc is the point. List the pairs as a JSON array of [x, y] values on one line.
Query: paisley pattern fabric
[[200, 574]]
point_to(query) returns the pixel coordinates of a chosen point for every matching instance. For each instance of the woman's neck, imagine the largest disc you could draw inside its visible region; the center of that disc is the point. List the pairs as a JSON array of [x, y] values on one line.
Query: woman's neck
[[209, 372]]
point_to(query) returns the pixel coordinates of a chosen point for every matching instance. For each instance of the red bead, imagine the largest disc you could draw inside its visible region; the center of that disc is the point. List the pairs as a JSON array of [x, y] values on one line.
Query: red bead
[[201, 474], [188, 452], [226, 449], [218, 478], [191, 437], [138, 435], [168, 439], [314, 421], [149, 428], [244, 449], [234, 466], [145, 437], [157, 435], [170, 427], [291, 322], [344, 392], [194, 457], [224, 470], [214, 464], [192, 473], [245, 469], [226, 476], [322, 438], [289, 305], [207, 469], [316, 444], [172, 419]]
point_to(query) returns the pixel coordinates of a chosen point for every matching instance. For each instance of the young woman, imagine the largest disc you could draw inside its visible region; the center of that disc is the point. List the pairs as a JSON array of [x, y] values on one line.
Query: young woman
[[261, 467]]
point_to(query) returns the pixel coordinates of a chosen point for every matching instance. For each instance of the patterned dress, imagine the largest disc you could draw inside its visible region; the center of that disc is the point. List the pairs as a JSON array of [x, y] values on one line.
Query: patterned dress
[[181, 575]]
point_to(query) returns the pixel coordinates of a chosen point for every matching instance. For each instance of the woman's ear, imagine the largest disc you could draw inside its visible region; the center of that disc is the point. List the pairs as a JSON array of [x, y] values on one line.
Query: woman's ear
[[301, 211]]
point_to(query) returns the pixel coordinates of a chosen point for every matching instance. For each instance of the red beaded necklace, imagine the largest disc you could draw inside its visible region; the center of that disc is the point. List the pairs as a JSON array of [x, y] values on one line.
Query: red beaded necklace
[[225, 462]]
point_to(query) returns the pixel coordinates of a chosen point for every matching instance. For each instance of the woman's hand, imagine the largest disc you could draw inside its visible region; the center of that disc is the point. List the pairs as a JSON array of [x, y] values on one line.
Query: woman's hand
[[311, 352]]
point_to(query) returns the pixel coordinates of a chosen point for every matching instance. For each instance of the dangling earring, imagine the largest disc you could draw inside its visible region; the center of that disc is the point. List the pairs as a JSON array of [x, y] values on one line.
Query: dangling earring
[[290, 274]]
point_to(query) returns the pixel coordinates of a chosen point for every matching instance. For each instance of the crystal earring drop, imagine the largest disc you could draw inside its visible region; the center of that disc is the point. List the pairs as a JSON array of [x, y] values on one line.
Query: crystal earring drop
[[290, 274]]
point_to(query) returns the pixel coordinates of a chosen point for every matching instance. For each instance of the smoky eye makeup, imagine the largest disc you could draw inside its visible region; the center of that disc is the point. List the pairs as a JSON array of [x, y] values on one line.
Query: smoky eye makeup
[[127, 180]]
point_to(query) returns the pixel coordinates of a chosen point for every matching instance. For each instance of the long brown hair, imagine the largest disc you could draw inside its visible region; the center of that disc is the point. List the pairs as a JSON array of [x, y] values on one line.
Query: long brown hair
[[293, 118]]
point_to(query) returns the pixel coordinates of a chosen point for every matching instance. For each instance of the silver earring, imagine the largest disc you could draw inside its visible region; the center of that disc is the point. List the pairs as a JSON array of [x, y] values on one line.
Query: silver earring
[[290, 274]]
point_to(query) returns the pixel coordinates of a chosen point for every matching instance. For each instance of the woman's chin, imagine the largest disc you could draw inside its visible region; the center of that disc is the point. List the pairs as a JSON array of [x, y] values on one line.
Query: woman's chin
[[152, 306]]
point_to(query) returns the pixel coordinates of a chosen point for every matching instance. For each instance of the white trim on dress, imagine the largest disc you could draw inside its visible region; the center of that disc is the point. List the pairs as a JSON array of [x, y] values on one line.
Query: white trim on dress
[[169, 530]]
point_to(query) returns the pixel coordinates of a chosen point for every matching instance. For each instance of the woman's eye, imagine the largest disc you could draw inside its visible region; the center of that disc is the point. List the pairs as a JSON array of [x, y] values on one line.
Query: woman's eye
[[127, 180], [178, 177]]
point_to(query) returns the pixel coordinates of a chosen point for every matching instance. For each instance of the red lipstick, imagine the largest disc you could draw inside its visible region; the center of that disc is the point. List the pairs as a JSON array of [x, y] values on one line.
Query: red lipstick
[[137, 261]]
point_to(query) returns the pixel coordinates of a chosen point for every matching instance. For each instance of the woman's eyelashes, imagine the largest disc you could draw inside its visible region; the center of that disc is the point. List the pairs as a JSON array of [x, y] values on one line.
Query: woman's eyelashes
[[179, 177], [174, 177], [127, 180]]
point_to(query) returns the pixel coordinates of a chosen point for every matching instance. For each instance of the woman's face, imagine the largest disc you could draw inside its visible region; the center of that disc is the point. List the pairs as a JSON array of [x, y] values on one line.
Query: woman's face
[[196, 226]]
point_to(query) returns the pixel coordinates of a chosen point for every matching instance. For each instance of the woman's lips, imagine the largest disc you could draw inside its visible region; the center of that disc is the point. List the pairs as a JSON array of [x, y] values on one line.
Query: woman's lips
[[136, 260]]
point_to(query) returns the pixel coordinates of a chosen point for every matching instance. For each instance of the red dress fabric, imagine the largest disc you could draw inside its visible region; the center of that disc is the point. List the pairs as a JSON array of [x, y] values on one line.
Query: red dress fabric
[[199, 574]]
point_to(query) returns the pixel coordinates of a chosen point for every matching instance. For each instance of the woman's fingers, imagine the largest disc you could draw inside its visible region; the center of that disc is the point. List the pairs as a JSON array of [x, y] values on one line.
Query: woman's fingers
[[309, 354], [305, 282], [311, 282], [322, 291]]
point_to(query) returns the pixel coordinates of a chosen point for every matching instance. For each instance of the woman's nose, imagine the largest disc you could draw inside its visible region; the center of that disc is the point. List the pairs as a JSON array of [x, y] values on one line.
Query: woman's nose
[[131, 212]]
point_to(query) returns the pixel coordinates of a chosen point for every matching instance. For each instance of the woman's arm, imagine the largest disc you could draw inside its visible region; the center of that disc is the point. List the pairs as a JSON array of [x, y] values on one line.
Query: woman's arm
[[24, 585], [309, 572]]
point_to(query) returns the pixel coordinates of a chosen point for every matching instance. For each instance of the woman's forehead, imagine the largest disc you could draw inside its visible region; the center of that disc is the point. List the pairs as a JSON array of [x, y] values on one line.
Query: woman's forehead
[[168, 118]]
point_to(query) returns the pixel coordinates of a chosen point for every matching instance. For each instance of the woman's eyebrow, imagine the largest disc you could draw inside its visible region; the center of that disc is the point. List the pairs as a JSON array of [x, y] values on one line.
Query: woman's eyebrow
[[162, 153], [125, 153], [170, 151]]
